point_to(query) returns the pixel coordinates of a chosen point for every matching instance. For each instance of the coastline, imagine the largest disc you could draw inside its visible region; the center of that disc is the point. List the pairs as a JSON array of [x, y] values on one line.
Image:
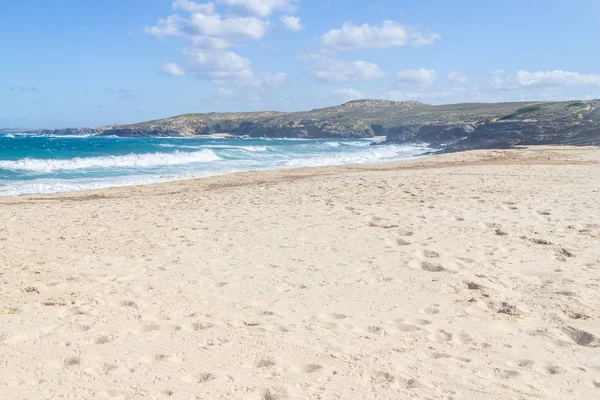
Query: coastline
[[49, 168], [437, 159], [462, 274]]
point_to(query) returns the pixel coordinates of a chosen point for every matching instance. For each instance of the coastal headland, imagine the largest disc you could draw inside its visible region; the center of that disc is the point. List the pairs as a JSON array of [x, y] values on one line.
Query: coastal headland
[[450, 127]]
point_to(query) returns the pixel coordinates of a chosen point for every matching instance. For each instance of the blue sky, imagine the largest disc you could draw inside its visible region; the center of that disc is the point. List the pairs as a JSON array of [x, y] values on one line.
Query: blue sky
[[96, 62]]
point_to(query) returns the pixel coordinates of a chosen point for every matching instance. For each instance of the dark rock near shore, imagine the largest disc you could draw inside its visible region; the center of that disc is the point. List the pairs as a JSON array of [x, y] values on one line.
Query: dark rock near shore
[[500, 135]]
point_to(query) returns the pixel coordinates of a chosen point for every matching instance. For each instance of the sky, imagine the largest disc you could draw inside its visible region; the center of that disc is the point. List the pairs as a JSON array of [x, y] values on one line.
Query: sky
[[72, 63]]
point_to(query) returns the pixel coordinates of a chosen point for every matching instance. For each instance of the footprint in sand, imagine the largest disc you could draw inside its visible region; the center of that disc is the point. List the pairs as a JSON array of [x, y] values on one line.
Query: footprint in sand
[[310, 368], [525, 363], [521, 363], [440, 335], [272, 394], [431, 309], [71, 362], [430, 253], [200, 378], [431, 266], [505, 374], [154, 358], [465, 338], [581, 337], [329, 325], [264, 363], [407, 327], [374, 329], [382, 378], [553, 370], [198, 326], [417, 321], [103, 339], [145, 328], [337, 316]]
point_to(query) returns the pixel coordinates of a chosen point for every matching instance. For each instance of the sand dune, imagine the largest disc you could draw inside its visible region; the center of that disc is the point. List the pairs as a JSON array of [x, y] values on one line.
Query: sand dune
[[463, 276]]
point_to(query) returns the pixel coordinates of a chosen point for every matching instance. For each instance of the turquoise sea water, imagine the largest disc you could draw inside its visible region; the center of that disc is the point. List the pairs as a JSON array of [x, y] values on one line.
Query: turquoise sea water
[[49, 164]]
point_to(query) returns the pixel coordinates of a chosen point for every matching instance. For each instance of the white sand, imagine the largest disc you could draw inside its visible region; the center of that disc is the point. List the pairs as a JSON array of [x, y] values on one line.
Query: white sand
[[409, 280]]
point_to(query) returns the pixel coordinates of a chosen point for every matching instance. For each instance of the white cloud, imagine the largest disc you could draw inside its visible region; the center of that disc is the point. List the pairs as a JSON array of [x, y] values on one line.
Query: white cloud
[[221, 66], [228, 67], [415, 77], [172, 69], [555, 78], [261, 8], [205, 42], [456, 77], [541, 79], [170, 26], [327, 70], [210, 35], [209, 30], [387, 34], [345, 95], [192, 6], [227, 28], [291, 23]]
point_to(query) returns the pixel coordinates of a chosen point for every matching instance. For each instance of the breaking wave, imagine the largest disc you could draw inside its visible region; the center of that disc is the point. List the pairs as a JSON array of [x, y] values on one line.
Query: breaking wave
[[126, 161]]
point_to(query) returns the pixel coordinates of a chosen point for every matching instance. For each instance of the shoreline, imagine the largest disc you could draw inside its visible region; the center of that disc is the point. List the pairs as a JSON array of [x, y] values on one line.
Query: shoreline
[[22, 187], [439, 159], [464, 274]]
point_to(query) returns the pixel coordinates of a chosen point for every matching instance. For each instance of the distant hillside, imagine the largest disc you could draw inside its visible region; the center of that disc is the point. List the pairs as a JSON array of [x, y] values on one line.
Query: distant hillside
[[453, 126]]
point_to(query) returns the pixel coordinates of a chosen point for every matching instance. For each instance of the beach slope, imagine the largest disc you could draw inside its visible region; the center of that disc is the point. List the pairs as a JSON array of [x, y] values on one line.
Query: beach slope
[[461, 276]]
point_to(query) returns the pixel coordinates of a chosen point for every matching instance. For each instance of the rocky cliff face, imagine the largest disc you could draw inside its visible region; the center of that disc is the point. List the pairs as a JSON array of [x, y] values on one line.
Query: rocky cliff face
[[448, 127], [496, 135]]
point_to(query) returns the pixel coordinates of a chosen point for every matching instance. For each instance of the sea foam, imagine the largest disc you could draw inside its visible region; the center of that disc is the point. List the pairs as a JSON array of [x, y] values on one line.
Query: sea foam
[[373, 155], [126, 161]]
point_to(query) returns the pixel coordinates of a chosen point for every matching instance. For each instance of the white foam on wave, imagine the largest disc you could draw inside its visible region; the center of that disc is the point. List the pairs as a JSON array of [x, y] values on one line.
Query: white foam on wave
[[194, 164], [253, 149], [16, 188], [87, 135], [53, 185], [179, 146], [126, 161], [215, 146], [52, 136], [362, 143], [372, 155]]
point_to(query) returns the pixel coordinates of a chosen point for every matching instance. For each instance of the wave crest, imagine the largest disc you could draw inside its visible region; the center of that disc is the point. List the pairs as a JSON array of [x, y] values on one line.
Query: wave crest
[[126, 161]]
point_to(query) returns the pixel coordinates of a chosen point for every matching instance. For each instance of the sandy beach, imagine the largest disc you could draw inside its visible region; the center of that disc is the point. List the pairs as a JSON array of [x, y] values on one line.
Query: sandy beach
[[462, 276]]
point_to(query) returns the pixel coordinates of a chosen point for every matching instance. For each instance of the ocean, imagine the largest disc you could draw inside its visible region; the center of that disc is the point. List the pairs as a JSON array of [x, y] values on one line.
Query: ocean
[[50, 164]]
